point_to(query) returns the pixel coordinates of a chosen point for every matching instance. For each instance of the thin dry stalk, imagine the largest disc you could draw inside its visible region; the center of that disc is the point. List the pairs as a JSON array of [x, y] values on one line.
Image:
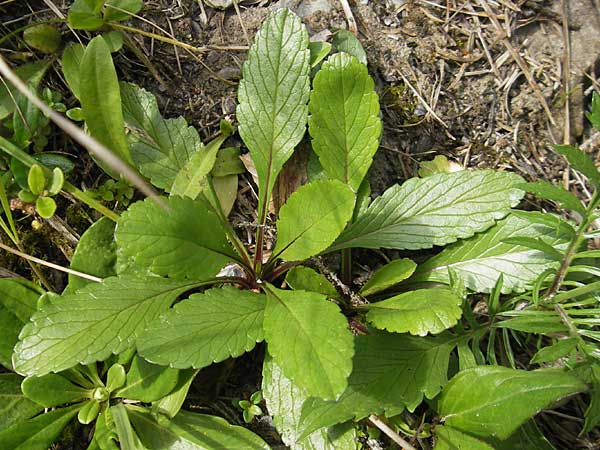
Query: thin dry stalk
[[349, 16]]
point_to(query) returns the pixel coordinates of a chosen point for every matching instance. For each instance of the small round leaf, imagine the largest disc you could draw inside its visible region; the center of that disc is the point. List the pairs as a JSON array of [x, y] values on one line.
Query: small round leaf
[[57, 181], [46, 207], [44, 38], [27, 196], [36, 179]]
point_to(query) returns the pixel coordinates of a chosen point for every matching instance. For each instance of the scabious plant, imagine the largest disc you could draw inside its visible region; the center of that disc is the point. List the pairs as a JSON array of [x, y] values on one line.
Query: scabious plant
[[125, 350]]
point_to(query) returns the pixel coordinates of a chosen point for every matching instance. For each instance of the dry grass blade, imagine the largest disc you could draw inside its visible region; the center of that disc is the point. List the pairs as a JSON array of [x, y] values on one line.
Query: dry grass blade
[[99, 150]]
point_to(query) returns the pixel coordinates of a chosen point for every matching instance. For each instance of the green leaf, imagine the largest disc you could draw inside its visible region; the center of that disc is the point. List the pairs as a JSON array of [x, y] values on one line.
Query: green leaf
[[594, 115], [306, 279], [558, 194], [114, 40], [533, 322], [363, 199], [345, 41], [228, 162], [85, 14], [439, 164], [391, 372], [38, 433], [536, 244], [580, 161], [105, 434], [189, 180], [226, 189], [45, 206], [28, 123], [160, 147], [96, 254], [206, 328], [284, 401], [89, 412], [312, 218], [186, 241], [14, 406], [315, 354], [417, 312], [101, 319], [17, 304], [553, 352], [128, 440], [101, 99], [71, 63], [592, 413], [31, 74], [172, 403], [56, 181], [436, 210], [318, 52], [447, 438], [482, 259], [115, 377], [54, 160], [52, 390], [36, 180], [344, 123], [388, 276], [191, 431], [527, 437], [476, 400], [148, 382], [43, 37], [131, 6], [273, 96]]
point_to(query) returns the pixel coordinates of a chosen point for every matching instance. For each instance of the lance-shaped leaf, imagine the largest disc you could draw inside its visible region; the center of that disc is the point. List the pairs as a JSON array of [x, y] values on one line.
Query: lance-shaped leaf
[[38, 433], [546, 190], [52, 390], [160, 148], [436, 210], [391, 372], [389, 275], [312, 218], [17, 303], [101, 98], [417, 312], [101, 319], [148, 382], [284, 401], [187, 241], [192, 432], [14, 406], [206, 328], [580, 161], [309, 338], [480, 260], [476, 400], [273, 96], [344, 119]]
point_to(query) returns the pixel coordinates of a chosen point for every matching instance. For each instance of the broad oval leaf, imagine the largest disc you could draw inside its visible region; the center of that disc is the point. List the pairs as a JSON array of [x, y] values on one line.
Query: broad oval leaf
[[52, 390], [307, 279], [148, 382], [100, 98], [206, 328], [284, 401], [344, 119], [187, 241], [391, 372], [43, 37], [71, 64], [273, 96], [309, 338], [126, 8], [436, 210], [312, 218], [14, 406], [447, 438], [38, 433], [417, 312], [346, 41], [85, 14], [477, 400], [388, 275], [101, 319], [192, 431], [481, 260]]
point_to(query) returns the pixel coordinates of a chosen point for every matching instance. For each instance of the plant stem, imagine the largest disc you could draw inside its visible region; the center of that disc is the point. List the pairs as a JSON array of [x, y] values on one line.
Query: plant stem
[[390, 433]]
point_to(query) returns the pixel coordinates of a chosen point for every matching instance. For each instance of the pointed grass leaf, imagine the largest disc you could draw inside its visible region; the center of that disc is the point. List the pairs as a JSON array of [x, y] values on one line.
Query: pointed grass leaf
[[436, 210], [160, 148], [344, 119], [192, 431], [476, 401], [148, 382], [581, 162], [558, 194], [85, 14], [38, 433], [95, 254], [447, 438], [284, 401], [206, 328], [391, 372], [52, 390], [417, 312], [556, 351], [185, 242], [273, 96], [345, 41], [101, 98], [17, 303], [14, 406], [388, 276], [594, 115], [306, 279], [312, 218], [481, 259], [309, 338], [100, 320]]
